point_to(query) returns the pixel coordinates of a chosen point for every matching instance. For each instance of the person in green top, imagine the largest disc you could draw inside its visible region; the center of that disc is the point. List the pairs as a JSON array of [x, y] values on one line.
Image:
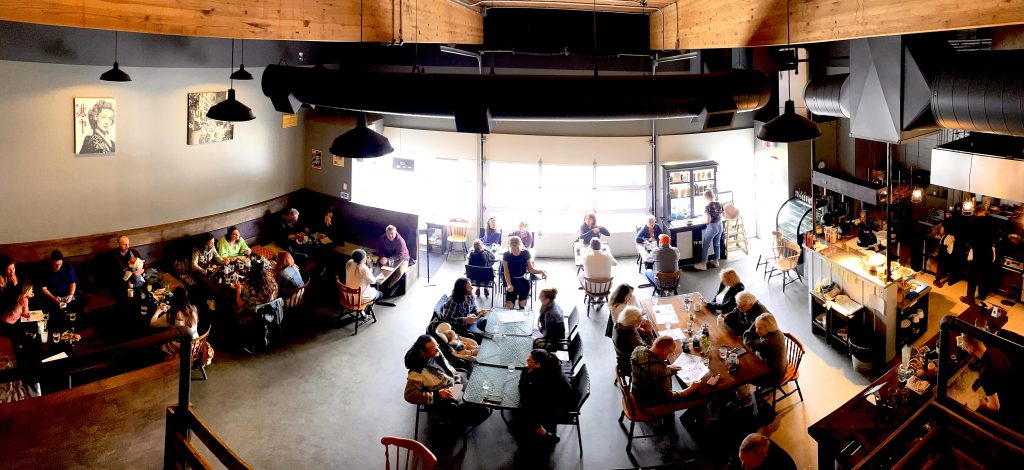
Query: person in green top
[[231, 245]]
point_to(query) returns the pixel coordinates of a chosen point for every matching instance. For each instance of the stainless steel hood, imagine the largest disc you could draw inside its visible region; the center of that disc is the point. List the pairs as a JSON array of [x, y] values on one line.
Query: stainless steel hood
[[989, 165]]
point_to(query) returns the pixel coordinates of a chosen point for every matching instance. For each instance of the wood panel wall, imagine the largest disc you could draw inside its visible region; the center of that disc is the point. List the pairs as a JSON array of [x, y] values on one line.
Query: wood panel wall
[[744, 23], [432, 21]]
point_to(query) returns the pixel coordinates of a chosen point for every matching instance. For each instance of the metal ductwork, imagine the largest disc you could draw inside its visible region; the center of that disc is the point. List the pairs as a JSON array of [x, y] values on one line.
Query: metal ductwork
[[476, 99], [829, 96], [981, 92]]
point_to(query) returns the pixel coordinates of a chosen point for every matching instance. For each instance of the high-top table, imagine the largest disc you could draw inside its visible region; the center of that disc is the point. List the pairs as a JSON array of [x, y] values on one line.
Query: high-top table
[[750, 368]]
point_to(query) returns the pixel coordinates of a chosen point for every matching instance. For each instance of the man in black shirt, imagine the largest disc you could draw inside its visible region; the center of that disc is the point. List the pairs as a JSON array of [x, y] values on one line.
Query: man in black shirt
[[747, 310], [757, 452], [1000, 381], [981, 236]]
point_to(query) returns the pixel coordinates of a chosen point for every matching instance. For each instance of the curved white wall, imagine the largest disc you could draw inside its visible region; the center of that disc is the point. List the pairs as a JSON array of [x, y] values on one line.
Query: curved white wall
[[154, 178]]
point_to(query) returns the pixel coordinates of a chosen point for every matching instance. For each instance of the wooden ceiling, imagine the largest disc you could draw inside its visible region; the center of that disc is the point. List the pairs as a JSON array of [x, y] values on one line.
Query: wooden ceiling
[[683, 24]]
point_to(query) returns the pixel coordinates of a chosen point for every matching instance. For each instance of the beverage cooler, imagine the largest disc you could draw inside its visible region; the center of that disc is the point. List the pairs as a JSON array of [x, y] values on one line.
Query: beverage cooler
[[685, 184]]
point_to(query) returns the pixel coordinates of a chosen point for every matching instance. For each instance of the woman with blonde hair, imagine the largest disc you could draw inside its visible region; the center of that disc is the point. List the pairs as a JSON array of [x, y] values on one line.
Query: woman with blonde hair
[[287, 272], [765, 339], [632, 329], [728, 289]]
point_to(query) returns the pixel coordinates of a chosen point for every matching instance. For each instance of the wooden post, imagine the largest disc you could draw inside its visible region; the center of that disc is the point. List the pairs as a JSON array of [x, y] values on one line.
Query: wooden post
[[184, 382]]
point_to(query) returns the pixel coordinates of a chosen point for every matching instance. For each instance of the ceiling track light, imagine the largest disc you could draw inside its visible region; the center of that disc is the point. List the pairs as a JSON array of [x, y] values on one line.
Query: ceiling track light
[[115, 74], [231, 109], [789, 126]]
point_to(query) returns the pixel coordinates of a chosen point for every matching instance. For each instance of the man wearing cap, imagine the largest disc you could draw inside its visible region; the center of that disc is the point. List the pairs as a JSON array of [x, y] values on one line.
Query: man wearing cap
[[665, 258]]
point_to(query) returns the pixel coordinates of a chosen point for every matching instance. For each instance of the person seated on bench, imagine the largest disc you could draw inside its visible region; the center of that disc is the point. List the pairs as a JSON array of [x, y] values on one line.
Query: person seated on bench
[[392, 251], [14, 307], [461, 311], [288, 231], [8, 275], [259, 288], [232, 245], [58, 285], [124, 258], [204, 256]]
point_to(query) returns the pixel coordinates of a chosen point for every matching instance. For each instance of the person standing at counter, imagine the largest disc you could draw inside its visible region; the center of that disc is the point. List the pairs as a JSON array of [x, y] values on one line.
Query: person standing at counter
[[492, 236], [981, 236], [712, 233], [999, 380], [649, 232], [589, 229], [665, 259]]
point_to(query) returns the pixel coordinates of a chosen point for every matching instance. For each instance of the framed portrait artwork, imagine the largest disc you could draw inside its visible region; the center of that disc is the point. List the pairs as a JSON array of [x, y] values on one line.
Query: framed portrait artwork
[[201, 129], [95, 126]]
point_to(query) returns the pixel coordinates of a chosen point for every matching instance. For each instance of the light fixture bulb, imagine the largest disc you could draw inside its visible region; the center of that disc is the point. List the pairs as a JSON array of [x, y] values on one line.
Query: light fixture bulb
[[917, 195], [968, 207]]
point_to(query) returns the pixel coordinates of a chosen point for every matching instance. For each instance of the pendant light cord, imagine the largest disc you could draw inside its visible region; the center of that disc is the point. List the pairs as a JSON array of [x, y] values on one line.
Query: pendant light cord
[[231, 80], [789, 78], [115, 46]]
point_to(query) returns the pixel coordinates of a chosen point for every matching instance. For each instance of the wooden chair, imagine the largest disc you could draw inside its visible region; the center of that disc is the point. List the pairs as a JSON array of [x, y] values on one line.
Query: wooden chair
[[787, 262], [483, 277], [580, 392], [794, 354], [458, 232], [352, 303], [735, 234], [416, 455], [596, 291], [294, 298], [631, 410], [770, 252], [667, 282], [198, 347]]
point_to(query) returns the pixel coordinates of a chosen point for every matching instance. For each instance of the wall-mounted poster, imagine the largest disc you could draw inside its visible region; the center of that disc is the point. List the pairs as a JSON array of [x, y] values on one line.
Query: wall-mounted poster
[[94, 125], [201, 129], [317, 160], [338, 161]]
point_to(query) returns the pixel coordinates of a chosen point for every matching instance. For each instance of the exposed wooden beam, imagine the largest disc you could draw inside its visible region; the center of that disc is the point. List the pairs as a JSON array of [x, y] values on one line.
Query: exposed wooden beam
[[744, 23], [432, 21]]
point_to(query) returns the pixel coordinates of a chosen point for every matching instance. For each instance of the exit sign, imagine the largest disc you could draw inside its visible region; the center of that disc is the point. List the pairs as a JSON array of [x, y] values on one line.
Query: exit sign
[[403, 164]]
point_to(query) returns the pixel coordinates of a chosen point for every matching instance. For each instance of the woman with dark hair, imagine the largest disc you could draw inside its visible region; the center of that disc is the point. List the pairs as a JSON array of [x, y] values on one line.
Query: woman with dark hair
[[461, 311], [481, 257], [259, 288], [232, 245], [101, 120], [622, 298], [184, 316], [8, 277], [543, 392], [589, 229], [550, 321], [516, 264], [359, 276], [492, 236], [204, 255], [432, 381]]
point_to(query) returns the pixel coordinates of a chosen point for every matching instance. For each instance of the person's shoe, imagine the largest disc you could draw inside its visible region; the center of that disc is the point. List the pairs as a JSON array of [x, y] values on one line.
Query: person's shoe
[[487, 292], [550, 439], [967, 300], [937, 283], [701, 266], [714, 263], [478, 292]]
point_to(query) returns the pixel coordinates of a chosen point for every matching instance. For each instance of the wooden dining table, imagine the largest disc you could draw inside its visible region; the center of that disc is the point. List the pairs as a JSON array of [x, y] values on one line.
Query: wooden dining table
[[751, 367]]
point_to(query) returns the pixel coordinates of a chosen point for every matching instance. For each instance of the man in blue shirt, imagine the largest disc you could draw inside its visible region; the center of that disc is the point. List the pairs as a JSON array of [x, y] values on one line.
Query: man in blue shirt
[[58, 284]]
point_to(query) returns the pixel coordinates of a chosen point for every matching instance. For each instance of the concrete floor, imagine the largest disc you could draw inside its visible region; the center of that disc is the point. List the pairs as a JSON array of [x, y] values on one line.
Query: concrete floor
[[324, 399]]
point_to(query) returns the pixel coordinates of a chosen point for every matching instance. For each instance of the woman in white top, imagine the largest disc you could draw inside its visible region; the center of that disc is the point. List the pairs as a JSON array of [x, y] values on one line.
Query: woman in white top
[[359, 276], [185, 318], [622, 298]]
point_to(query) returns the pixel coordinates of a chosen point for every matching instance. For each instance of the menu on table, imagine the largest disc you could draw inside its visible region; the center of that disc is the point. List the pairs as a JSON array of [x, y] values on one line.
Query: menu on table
[[692, 367], [665, 314]]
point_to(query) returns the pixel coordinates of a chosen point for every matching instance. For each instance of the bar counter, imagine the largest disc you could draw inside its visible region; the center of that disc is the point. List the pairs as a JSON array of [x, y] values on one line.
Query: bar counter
[[848, 434]]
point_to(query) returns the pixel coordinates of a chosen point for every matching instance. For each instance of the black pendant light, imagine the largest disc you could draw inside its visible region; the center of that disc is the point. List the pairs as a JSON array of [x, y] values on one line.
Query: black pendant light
[[231, 109], [790, 126], [241, 73], [115, 74], [361, 142]]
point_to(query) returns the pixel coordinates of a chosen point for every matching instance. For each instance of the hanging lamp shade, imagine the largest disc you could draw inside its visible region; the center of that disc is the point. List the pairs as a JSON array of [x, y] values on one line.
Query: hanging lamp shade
[[115, 75], [241, 73], [230, 110], [361, 142], [789, 127]]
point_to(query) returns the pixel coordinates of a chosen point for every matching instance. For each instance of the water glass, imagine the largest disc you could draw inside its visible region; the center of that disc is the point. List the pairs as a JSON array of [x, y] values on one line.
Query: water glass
[[723, 352], [511, 368], [486, 386], [904, 373], [706, 360]]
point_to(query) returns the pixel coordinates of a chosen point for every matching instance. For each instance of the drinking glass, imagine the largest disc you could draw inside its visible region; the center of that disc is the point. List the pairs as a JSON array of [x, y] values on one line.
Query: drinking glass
[[668, 325], [706, 359], [723, 352], [654, 300], [904, 373], [486, 386], [511, 368]]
